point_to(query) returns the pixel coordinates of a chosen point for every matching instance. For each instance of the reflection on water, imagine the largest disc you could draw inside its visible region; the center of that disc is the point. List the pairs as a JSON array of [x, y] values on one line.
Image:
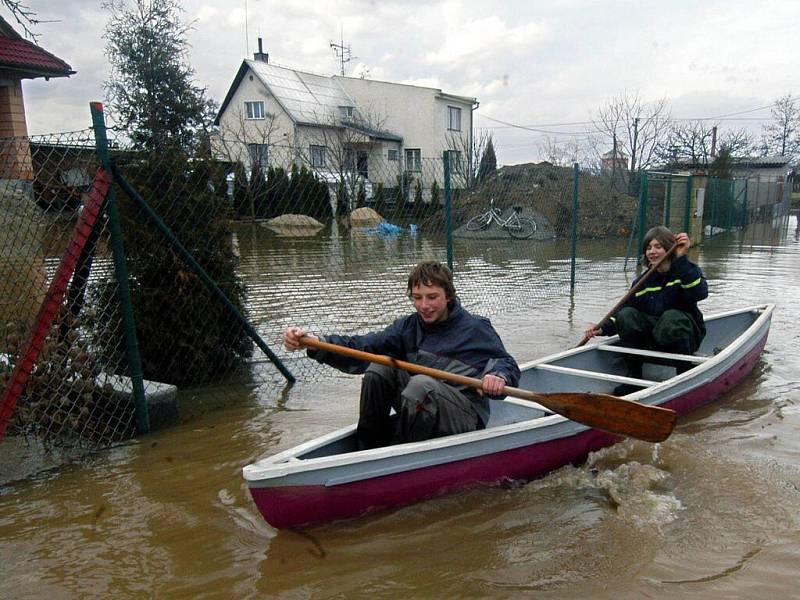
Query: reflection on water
[[710, 513]]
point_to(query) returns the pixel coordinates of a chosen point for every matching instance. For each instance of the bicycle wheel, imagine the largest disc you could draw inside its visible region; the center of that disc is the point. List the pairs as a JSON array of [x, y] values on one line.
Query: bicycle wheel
[[522, 229], [479, 222]]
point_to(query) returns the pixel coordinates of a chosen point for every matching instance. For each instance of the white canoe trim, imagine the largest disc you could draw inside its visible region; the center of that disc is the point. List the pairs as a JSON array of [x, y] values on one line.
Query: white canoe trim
[[692, 358], [597, 375], [548, 427]]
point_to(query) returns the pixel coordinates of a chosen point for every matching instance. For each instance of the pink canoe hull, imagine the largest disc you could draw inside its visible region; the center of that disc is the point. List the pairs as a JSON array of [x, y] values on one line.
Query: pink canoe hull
[[290, 506]]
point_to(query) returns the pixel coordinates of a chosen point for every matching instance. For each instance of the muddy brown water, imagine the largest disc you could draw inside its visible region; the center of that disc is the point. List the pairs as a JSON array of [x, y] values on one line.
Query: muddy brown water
[[710, 513]]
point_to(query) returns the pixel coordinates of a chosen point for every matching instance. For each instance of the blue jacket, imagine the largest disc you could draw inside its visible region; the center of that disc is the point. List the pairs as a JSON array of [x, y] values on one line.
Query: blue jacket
[[463, 343], [681, 288]]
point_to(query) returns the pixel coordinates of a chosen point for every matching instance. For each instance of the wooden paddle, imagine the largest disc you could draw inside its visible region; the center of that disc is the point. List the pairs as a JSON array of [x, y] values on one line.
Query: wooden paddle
[[634, 288], [601, 411]]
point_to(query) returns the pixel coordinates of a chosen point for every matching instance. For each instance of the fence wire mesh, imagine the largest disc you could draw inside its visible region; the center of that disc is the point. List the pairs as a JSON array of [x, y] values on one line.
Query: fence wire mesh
[[74, 395], [320, 238]]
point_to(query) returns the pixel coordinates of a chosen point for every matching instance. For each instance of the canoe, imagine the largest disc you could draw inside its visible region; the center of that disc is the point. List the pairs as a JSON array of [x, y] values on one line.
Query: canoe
[[328, 478]]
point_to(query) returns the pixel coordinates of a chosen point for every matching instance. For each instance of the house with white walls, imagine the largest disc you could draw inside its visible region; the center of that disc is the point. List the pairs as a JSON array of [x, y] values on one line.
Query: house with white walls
[[342, 128]]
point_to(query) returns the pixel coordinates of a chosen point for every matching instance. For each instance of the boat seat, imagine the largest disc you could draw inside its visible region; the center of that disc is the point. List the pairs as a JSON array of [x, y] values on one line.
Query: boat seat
[[599, 376], [653, 354]]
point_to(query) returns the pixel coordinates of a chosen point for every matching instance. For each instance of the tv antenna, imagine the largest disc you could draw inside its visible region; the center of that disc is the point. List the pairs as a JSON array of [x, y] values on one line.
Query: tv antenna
[[342, 52]]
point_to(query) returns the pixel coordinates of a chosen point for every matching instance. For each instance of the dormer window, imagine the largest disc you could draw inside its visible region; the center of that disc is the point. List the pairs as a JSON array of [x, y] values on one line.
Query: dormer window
[[346, 112]]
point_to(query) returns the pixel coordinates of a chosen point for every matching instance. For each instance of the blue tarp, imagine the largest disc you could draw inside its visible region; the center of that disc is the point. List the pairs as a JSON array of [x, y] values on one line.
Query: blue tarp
[[384, 228]]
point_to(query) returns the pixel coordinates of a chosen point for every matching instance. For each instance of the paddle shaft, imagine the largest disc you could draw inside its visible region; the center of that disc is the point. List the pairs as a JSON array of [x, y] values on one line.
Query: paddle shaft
[[634, 288], [601, 411]]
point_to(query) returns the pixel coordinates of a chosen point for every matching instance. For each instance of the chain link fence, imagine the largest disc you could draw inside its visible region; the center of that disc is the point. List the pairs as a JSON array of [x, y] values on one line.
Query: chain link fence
[[50, 326], [226, 248]]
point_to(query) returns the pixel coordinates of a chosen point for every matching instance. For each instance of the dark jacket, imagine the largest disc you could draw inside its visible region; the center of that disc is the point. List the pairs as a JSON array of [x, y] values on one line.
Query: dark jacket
[[681, 288], [463, 343]]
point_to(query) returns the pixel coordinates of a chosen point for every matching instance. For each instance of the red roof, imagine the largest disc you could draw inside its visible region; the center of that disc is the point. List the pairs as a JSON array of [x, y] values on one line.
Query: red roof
[[18, 54]]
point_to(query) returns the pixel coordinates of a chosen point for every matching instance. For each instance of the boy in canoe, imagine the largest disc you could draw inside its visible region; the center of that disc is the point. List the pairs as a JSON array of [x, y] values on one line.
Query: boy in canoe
[[662, 315], [440, 334]]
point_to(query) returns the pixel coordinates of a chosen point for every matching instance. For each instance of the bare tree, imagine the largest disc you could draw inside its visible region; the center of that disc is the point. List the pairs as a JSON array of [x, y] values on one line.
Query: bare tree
[[691, 141], [699, 143], [738, 142], [637, 126], [561, 153], [253, 143], [782, 135], [341, 149], [24, 16], [466, 154]]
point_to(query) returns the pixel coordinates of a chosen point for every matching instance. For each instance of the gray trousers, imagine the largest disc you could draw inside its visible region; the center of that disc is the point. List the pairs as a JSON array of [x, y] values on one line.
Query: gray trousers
[[425, 408]]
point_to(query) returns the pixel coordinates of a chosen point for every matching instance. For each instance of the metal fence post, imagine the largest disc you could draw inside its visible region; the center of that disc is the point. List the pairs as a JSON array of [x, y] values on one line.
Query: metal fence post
[[642, 208], [745, 216], [668, 203], [574, 232], [448, 208], [687, 209], [121, 273]]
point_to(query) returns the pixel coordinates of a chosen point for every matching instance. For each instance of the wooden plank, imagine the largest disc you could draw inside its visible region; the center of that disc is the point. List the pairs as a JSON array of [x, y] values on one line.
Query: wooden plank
[[654, 354], [597, 375]]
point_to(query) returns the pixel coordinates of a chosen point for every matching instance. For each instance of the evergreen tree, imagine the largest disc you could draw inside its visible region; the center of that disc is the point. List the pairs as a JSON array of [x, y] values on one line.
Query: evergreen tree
[[342, 201], [361, 196], [436, 197], [241, 191], [150, 90], [488, 164], [259, 197], [186, 335], [378, 199]]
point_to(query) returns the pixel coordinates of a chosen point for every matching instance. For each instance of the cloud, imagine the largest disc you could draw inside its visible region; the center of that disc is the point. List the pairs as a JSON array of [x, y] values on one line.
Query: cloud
[[483, 39]]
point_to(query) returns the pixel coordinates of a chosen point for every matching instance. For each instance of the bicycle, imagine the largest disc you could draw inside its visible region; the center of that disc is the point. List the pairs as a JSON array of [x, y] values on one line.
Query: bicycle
[[517, 226]]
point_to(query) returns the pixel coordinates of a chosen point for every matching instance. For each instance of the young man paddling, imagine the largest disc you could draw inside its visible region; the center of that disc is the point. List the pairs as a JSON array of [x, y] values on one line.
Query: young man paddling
[[442, 335], [663, 315]]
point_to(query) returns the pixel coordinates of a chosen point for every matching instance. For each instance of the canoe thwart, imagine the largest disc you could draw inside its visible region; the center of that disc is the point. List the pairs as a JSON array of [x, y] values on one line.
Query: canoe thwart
[[691, 358]]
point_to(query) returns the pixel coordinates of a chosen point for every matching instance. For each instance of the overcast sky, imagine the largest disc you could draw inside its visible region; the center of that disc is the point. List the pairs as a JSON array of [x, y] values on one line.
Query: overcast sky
[[546, 65]]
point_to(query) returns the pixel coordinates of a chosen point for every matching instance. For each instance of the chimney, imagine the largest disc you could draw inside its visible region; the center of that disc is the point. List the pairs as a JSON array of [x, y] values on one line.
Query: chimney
[[261, 55]]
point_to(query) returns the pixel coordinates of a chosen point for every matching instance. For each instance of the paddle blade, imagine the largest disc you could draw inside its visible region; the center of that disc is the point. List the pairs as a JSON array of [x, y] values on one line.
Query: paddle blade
[[612, 414]]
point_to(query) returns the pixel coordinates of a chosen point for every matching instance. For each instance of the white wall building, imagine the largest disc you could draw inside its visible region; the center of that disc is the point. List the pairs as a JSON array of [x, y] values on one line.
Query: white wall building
[[358, 130]]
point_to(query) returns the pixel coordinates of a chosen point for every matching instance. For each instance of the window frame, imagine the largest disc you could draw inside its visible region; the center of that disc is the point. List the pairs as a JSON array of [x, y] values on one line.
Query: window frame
[[413, 163], [259, 153], [451, 112], [317, 151], [251, 112]]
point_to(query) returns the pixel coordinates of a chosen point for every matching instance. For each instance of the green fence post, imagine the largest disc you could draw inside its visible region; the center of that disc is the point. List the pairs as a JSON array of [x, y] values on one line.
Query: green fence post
[[121, 273], [745, 216], [448, 208], [668, 203], [575, 187], [687, 209], [201, 272], [643, 193]]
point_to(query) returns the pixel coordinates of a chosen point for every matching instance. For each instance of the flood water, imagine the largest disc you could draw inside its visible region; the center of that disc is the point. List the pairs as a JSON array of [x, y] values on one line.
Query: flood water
[[713, 512]]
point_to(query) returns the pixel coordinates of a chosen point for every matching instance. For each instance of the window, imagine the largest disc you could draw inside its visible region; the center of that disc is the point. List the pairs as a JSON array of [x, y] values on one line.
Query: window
[[259, 155], [392, 155], [453, 118], [413, 162], [254, 110], [346, 112], [317, 154], [356, 161]]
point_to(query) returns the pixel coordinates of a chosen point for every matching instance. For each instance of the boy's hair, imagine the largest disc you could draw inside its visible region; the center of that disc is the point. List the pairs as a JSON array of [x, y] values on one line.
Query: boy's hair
[[432, 273], [664, 237]]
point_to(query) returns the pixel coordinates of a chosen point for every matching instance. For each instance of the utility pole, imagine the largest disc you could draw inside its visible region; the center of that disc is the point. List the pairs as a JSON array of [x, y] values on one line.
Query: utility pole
[[713, 141], [342, 52]]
